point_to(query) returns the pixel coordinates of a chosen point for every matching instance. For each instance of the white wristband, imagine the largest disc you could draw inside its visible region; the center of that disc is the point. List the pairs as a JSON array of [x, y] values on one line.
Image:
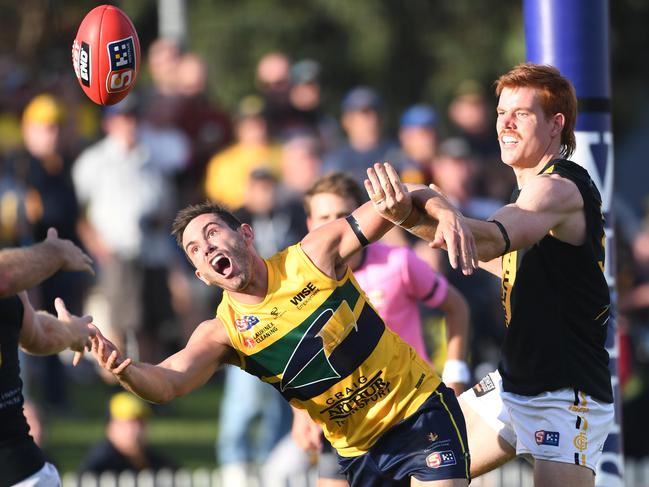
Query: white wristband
[[456, 371]]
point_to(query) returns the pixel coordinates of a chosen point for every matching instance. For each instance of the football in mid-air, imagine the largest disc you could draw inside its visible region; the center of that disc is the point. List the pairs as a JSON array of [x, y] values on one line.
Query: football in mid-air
[[106, 55]]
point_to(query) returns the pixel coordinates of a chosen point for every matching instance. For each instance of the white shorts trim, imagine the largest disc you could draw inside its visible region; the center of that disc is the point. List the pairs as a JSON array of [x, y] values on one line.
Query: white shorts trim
[[47, 476], [565, 425]]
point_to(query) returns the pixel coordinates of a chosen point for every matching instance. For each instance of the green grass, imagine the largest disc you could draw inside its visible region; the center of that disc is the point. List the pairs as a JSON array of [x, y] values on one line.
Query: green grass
[[183, 430]]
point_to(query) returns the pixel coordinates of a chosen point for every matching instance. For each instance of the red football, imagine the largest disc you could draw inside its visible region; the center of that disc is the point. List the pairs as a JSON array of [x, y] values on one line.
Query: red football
[[106, 55]]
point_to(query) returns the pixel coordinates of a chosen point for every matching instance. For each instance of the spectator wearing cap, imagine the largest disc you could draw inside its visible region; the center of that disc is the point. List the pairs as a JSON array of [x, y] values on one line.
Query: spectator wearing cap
[[228, 171], [125, 446], [127, 200], [361, 121], [418, 139], [42, 168]]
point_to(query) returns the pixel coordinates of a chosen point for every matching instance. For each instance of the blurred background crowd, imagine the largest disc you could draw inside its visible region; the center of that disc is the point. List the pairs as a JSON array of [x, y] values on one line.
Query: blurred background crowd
[[248, 105]]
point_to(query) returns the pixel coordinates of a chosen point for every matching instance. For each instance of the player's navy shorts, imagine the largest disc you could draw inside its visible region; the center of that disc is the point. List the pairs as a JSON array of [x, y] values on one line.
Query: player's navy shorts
[[428, 445]]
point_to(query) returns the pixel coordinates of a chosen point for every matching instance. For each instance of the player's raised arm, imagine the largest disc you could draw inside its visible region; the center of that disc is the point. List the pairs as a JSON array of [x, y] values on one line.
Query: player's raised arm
[[407, 206], [207, 349]]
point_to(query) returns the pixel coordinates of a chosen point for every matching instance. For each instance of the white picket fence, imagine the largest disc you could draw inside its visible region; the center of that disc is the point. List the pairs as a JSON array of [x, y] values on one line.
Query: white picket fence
[[514, 474]]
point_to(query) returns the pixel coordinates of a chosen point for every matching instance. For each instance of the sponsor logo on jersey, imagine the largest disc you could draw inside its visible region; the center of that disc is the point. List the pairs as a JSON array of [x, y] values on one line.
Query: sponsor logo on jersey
[[248, 342], [121, 55], [439, 459], [304, 296], [266, 331], [484, 386], [352, 399], [245, 323], [276, 313], [550, 438]]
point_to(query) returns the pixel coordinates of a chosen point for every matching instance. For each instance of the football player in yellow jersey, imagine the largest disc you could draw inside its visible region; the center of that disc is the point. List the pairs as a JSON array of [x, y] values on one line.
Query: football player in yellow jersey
[[300, 322]]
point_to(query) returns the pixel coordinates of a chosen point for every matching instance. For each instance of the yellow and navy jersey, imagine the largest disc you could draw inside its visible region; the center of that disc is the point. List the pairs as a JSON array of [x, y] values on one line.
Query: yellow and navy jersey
[[320, 343], [556, 302]]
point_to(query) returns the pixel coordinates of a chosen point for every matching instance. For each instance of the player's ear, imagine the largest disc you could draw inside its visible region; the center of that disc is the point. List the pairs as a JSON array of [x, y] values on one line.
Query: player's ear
[[559, 120], [200, 277], [247, 232]]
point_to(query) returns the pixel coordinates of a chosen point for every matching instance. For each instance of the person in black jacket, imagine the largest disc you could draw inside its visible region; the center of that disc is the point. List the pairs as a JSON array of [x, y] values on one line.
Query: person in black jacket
[[125, 445]]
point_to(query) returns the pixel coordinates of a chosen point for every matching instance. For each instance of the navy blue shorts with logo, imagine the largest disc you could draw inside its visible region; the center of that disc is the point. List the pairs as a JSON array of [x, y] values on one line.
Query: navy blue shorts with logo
[[428, 445]]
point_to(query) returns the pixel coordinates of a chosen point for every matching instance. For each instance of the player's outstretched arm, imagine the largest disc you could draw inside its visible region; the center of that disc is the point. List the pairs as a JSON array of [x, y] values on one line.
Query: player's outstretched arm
[[24, 268], [44, 334], [207, 349], [409, 207], [546, 204]]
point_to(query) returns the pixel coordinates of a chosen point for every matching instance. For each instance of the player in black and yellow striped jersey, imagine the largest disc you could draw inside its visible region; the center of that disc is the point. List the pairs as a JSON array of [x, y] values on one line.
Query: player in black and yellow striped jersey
[[300, 322], [22, 463], [551, 397]]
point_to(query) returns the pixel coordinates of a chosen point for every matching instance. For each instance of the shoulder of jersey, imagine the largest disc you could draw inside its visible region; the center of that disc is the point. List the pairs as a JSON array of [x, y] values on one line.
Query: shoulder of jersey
[[106, 55]]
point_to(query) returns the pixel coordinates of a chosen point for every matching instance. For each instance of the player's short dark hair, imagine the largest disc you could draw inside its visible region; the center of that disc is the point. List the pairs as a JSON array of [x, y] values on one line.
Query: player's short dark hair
[[556, 94], [187, 214], [338, 183]]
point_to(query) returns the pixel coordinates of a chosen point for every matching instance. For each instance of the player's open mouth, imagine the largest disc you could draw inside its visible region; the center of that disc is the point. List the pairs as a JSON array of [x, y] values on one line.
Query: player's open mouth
[[221, 265]]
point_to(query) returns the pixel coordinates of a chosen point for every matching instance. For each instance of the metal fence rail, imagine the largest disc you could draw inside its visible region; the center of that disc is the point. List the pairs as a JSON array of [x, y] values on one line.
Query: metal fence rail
[[514, 474]]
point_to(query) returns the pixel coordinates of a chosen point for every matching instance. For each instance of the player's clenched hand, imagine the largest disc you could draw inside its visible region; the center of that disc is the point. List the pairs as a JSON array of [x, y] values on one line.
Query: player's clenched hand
[[74, 259], [80, 328], [108, 355], [390, 197], [453, 233]]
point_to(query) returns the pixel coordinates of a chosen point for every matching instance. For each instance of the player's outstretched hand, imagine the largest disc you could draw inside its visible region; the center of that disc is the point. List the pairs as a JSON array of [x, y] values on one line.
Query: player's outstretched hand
[[108, 355], [389, 196], [80, 328], [453, 233], [74, 259]]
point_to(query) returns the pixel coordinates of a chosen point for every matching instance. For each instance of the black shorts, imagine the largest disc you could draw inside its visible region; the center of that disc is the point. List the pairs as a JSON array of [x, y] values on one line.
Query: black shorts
[[430, 444]]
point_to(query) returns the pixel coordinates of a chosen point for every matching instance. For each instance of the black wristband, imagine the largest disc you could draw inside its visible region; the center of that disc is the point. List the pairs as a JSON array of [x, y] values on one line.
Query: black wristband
[[503, 231], [356, 228]]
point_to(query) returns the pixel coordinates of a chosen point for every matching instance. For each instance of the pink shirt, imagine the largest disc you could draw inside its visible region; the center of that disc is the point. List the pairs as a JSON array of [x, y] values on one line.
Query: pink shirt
[[396, 281]]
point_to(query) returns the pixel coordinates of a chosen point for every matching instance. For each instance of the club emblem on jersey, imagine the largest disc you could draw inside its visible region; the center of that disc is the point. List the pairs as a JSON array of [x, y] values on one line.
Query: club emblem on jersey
[[439, 459], [309, 362], [245, 323], [580, 441], [550, 438]]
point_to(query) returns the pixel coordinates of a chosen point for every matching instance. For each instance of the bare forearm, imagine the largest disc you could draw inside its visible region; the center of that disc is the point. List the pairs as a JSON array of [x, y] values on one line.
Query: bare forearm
[[49, 336], [150, 382], [24, 268], [457, 330], [488, 239]]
